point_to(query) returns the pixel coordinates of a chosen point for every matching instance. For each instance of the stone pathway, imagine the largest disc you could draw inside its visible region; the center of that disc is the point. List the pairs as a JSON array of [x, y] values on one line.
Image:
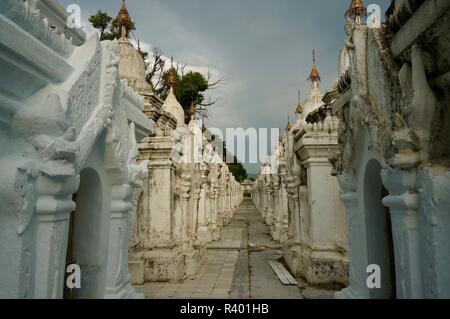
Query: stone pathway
[[213, 281], [237, 267], [254, 278], [231, 238]]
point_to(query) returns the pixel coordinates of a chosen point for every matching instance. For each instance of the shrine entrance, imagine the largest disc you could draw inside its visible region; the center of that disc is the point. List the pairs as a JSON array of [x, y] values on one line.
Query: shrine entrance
[[380, 245], [84, 237]]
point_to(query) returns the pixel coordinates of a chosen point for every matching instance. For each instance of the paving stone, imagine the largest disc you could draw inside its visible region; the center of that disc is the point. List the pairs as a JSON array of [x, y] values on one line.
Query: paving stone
[[317, 293]]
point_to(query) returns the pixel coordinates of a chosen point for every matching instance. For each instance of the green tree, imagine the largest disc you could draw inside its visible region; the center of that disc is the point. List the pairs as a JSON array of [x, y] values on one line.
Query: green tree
[[100, 21], [116, 32], [108, 28], [188, 87], [191, 85], [236, 168]]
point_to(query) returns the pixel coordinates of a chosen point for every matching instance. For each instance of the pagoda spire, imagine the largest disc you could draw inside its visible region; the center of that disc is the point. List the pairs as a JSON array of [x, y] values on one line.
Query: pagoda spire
[[172, 80], [204, 129], [314, 76], [191, 111], [299, 108], [288, 125], [357, 11], [123, 20], [171, 103]]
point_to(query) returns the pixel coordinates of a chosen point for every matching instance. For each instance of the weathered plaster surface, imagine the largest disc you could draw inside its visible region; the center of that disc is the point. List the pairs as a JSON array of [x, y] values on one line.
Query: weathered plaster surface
[[65, 127], [299, 198], [392, 138]]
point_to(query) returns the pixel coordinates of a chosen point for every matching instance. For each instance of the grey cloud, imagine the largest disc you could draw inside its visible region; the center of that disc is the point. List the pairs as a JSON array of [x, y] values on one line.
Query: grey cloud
[[262, 48]]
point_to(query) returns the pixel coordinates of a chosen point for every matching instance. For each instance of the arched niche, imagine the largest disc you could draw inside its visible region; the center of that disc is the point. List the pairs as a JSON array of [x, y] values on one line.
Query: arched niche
[[85, 236], [380, 247]]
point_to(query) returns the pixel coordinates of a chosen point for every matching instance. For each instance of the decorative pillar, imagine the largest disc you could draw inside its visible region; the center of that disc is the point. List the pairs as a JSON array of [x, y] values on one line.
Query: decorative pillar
[[205, 207], [403, 204], [53, 209], [161, 216], [434, 205], [214, 226], [356, 230], [118, 280], [269, 212], [276, 225]]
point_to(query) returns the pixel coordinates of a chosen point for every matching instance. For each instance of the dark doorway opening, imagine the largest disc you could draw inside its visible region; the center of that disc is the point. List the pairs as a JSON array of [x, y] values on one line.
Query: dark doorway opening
[[380, 243], [84, 238], [390, 244]]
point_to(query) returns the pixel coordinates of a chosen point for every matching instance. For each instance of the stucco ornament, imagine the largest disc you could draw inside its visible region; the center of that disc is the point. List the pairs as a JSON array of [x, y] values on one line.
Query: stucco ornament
[[47, 128], [347, 50], [137, 172], [423, 104], [26, 16], [182, 144], [349, 29], [406, 144], [42, 130]]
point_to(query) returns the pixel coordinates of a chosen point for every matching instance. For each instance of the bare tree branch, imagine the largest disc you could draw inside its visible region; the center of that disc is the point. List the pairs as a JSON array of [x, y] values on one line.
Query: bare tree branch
[[209, 102], [214, 84], [157, 66], [156, 69]]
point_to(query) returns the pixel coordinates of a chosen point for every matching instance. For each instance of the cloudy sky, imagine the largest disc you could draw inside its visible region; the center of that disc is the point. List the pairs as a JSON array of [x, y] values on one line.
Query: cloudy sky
[[261, 48]]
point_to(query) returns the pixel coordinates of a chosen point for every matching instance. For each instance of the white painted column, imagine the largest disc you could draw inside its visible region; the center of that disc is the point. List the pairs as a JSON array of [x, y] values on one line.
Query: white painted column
[[53, 209], [356, 253], [118, 278], [404, 206]]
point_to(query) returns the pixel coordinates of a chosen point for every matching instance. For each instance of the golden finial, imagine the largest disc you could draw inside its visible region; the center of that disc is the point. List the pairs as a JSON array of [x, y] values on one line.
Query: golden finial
[[123, 20], [299, 108], [172, 78], [288, 125], [314, 76], [191, 111], [356, 10]]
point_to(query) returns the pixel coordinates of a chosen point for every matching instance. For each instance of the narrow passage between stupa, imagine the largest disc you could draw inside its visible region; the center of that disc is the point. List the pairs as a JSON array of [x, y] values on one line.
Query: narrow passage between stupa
[[237, 266]]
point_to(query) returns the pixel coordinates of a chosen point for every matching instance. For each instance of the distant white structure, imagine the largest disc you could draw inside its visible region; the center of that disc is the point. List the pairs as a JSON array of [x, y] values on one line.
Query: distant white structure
[[299, 198], [247, 186], [188, 193]]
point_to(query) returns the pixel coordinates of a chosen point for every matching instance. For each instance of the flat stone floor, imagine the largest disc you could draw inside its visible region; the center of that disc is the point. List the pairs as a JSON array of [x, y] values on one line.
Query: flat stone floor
[[237, 267]]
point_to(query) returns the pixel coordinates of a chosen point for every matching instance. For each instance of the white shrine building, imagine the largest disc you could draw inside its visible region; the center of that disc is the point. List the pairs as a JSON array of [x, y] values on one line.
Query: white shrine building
[[68, 156]]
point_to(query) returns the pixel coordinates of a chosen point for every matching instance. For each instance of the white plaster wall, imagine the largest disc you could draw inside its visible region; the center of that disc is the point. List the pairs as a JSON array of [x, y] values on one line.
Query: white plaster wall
[[321, 204], [362, 216], [434, 221], [92, 220]]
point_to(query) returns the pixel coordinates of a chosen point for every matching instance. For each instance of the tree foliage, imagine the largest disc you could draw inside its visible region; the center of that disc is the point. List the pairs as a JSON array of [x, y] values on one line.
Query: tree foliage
[[100, 21], [236, 168], [189, 86], [108, 27]]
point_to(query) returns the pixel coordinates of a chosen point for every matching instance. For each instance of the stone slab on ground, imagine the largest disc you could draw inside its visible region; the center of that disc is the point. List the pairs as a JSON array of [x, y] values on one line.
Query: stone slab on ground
[[213, 281], [231, 239], [317, 293]]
